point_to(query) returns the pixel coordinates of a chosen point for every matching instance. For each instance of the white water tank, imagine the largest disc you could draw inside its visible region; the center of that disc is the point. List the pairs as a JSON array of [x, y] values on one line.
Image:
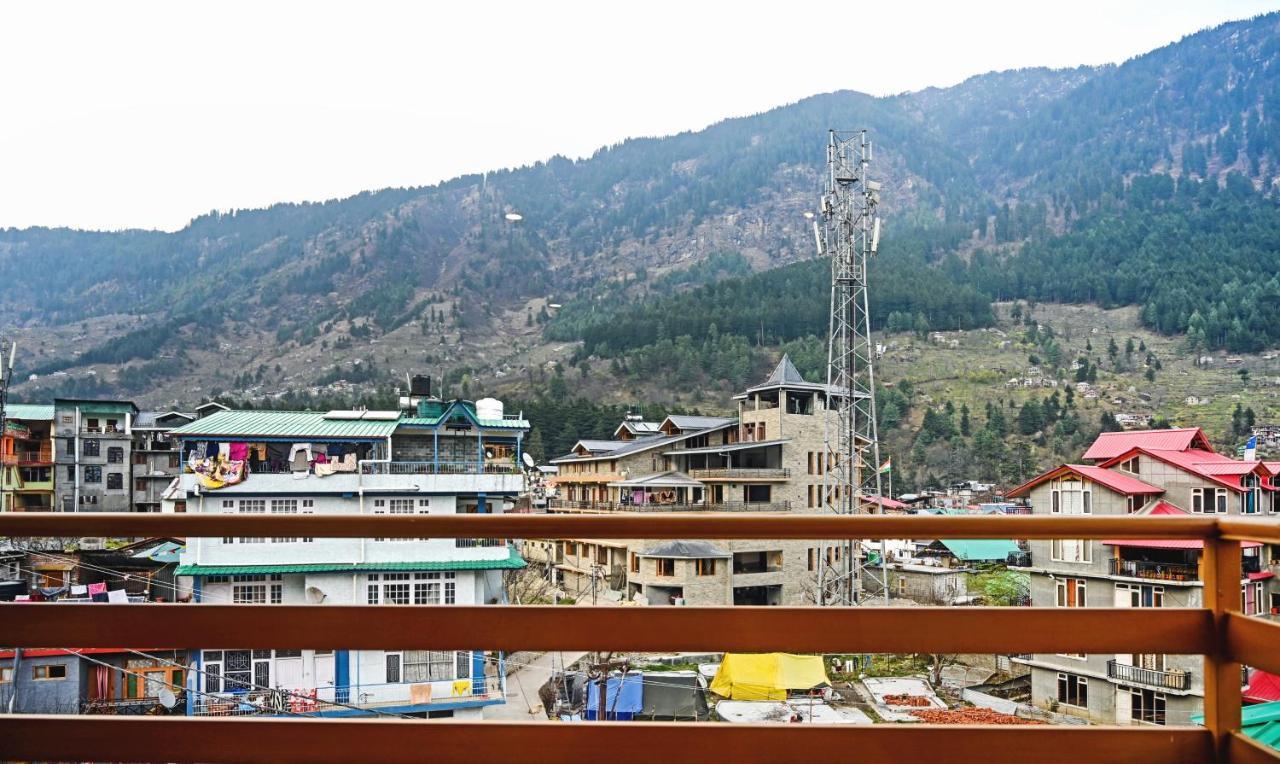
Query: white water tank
[[489, 408]]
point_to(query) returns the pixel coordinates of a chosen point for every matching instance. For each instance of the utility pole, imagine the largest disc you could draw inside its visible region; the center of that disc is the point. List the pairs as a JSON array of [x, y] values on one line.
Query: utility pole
[[850, 237], [6, 379], [599, 673]]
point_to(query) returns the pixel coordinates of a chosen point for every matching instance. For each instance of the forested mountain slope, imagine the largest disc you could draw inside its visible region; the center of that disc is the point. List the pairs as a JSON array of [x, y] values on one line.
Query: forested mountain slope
[[1083, 184]]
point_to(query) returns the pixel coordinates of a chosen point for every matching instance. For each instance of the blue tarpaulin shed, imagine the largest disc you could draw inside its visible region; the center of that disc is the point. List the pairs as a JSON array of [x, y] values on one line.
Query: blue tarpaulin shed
[[623, 697]]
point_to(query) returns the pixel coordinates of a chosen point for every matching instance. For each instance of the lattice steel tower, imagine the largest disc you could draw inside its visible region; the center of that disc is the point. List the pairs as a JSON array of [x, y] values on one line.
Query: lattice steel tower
[[849, 237]]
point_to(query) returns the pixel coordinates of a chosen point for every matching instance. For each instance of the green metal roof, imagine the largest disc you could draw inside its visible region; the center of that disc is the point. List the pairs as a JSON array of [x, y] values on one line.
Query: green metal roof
[[35, 412], [1260, 721], [101, 407], [301, 425], [512, 561], [506, 424], [980, 549]]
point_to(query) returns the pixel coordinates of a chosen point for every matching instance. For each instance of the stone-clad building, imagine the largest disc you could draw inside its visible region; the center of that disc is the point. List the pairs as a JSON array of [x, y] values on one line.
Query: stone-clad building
[[768, 459]]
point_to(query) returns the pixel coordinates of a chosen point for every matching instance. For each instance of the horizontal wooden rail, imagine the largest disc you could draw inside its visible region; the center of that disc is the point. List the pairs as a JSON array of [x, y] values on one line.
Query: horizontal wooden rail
[[644, 526], [1242, 750], [547, 627], [1264, 529], [1253, 641], [253, 740]]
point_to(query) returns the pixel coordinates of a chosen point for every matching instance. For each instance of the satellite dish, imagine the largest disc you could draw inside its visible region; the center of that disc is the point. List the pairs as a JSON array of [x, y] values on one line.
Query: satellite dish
[[315, 595], [514, 217], [528, 460], [167, 698]]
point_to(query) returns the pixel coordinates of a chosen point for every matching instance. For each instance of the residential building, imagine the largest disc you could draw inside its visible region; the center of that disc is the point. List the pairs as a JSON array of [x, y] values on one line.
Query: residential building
[[436, 458], [770, 458], [1141, 473], [156, 458], [26, 459], [94, 680], [93, 441]]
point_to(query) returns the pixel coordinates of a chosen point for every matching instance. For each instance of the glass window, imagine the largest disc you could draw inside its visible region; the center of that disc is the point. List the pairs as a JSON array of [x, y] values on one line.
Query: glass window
[[429, 665], [1147, 706], [393, 668], [50, 671], [1073, 690], [92, 474], [90, 447], [115, 455], [115, 481]]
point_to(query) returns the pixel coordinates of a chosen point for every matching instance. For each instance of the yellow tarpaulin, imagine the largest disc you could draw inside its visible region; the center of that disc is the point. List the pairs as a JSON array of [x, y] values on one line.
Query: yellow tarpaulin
[[767, 676]]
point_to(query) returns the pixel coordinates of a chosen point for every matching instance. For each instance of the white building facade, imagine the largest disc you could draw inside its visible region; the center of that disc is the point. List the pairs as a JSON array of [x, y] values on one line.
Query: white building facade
[[342, 463]]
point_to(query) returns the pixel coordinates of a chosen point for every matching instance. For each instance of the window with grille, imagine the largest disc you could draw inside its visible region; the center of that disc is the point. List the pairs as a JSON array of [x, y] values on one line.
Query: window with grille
[[90, 447], [252, 507], [419, 588], [115, 481], [115, 455], [92, 474], [393, 668], [429, 665], [284, 507]]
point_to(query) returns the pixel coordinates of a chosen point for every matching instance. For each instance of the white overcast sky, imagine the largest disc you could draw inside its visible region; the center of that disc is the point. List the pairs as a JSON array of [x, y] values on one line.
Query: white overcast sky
[[142, 114]]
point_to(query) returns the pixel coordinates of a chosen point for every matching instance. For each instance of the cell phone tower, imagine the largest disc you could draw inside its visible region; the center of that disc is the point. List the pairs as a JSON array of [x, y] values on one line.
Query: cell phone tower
[[849, 237]]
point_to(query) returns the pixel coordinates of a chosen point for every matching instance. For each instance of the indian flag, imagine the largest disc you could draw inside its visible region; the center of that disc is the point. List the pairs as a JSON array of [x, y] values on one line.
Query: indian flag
[[886, 467]]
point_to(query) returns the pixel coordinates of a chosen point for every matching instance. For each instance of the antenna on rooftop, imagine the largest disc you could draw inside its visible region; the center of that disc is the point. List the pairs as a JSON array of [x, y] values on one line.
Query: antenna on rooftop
[[851, 235]]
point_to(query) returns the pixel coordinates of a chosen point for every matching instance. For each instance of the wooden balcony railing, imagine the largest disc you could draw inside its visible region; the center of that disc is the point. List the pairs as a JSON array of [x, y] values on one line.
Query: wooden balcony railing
[[1218, 631]]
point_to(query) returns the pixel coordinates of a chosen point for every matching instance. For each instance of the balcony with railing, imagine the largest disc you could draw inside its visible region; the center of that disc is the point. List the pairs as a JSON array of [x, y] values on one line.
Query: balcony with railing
[[1168, 680], [130, 707], [1217, 630], [602, 507], [1159, 571], [740, 473], [41, 457], [474, 467]]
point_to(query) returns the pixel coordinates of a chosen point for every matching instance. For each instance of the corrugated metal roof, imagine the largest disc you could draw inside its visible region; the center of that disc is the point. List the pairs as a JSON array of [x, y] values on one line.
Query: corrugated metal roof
[[739, 446], [36, 412], [1206, 464], [1116, 481], [1112, 444], [980, 549], [302, 425], [500, 424], [512, 561]]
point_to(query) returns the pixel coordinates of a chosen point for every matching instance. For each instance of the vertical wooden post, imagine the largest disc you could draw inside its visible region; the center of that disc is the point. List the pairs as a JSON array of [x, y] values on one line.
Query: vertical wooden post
[[1221, 573]]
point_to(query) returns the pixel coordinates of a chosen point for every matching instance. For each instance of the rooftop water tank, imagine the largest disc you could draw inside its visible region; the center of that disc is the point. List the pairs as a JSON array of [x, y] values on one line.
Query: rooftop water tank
[[489, 408]]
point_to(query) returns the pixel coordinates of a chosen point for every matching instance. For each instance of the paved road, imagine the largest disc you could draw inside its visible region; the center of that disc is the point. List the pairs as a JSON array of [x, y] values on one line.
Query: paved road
[[523, 703]]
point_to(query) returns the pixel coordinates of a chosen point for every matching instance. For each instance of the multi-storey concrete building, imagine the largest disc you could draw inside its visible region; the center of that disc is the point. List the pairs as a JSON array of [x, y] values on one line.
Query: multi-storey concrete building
[[769, 459], [156, 458], [26, 459], [93, 444], [1160, 472], [440, 458]]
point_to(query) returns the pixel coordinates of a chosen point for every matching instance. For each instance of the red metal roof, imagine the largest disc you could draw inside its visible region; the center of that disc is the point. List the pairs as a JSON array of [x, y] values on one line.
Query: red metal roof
[[1112, 444], [1116, 481], [1211, 466], [1262, 575], [886, 502], [1165, 508], [1263, 687], [45, 652]]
